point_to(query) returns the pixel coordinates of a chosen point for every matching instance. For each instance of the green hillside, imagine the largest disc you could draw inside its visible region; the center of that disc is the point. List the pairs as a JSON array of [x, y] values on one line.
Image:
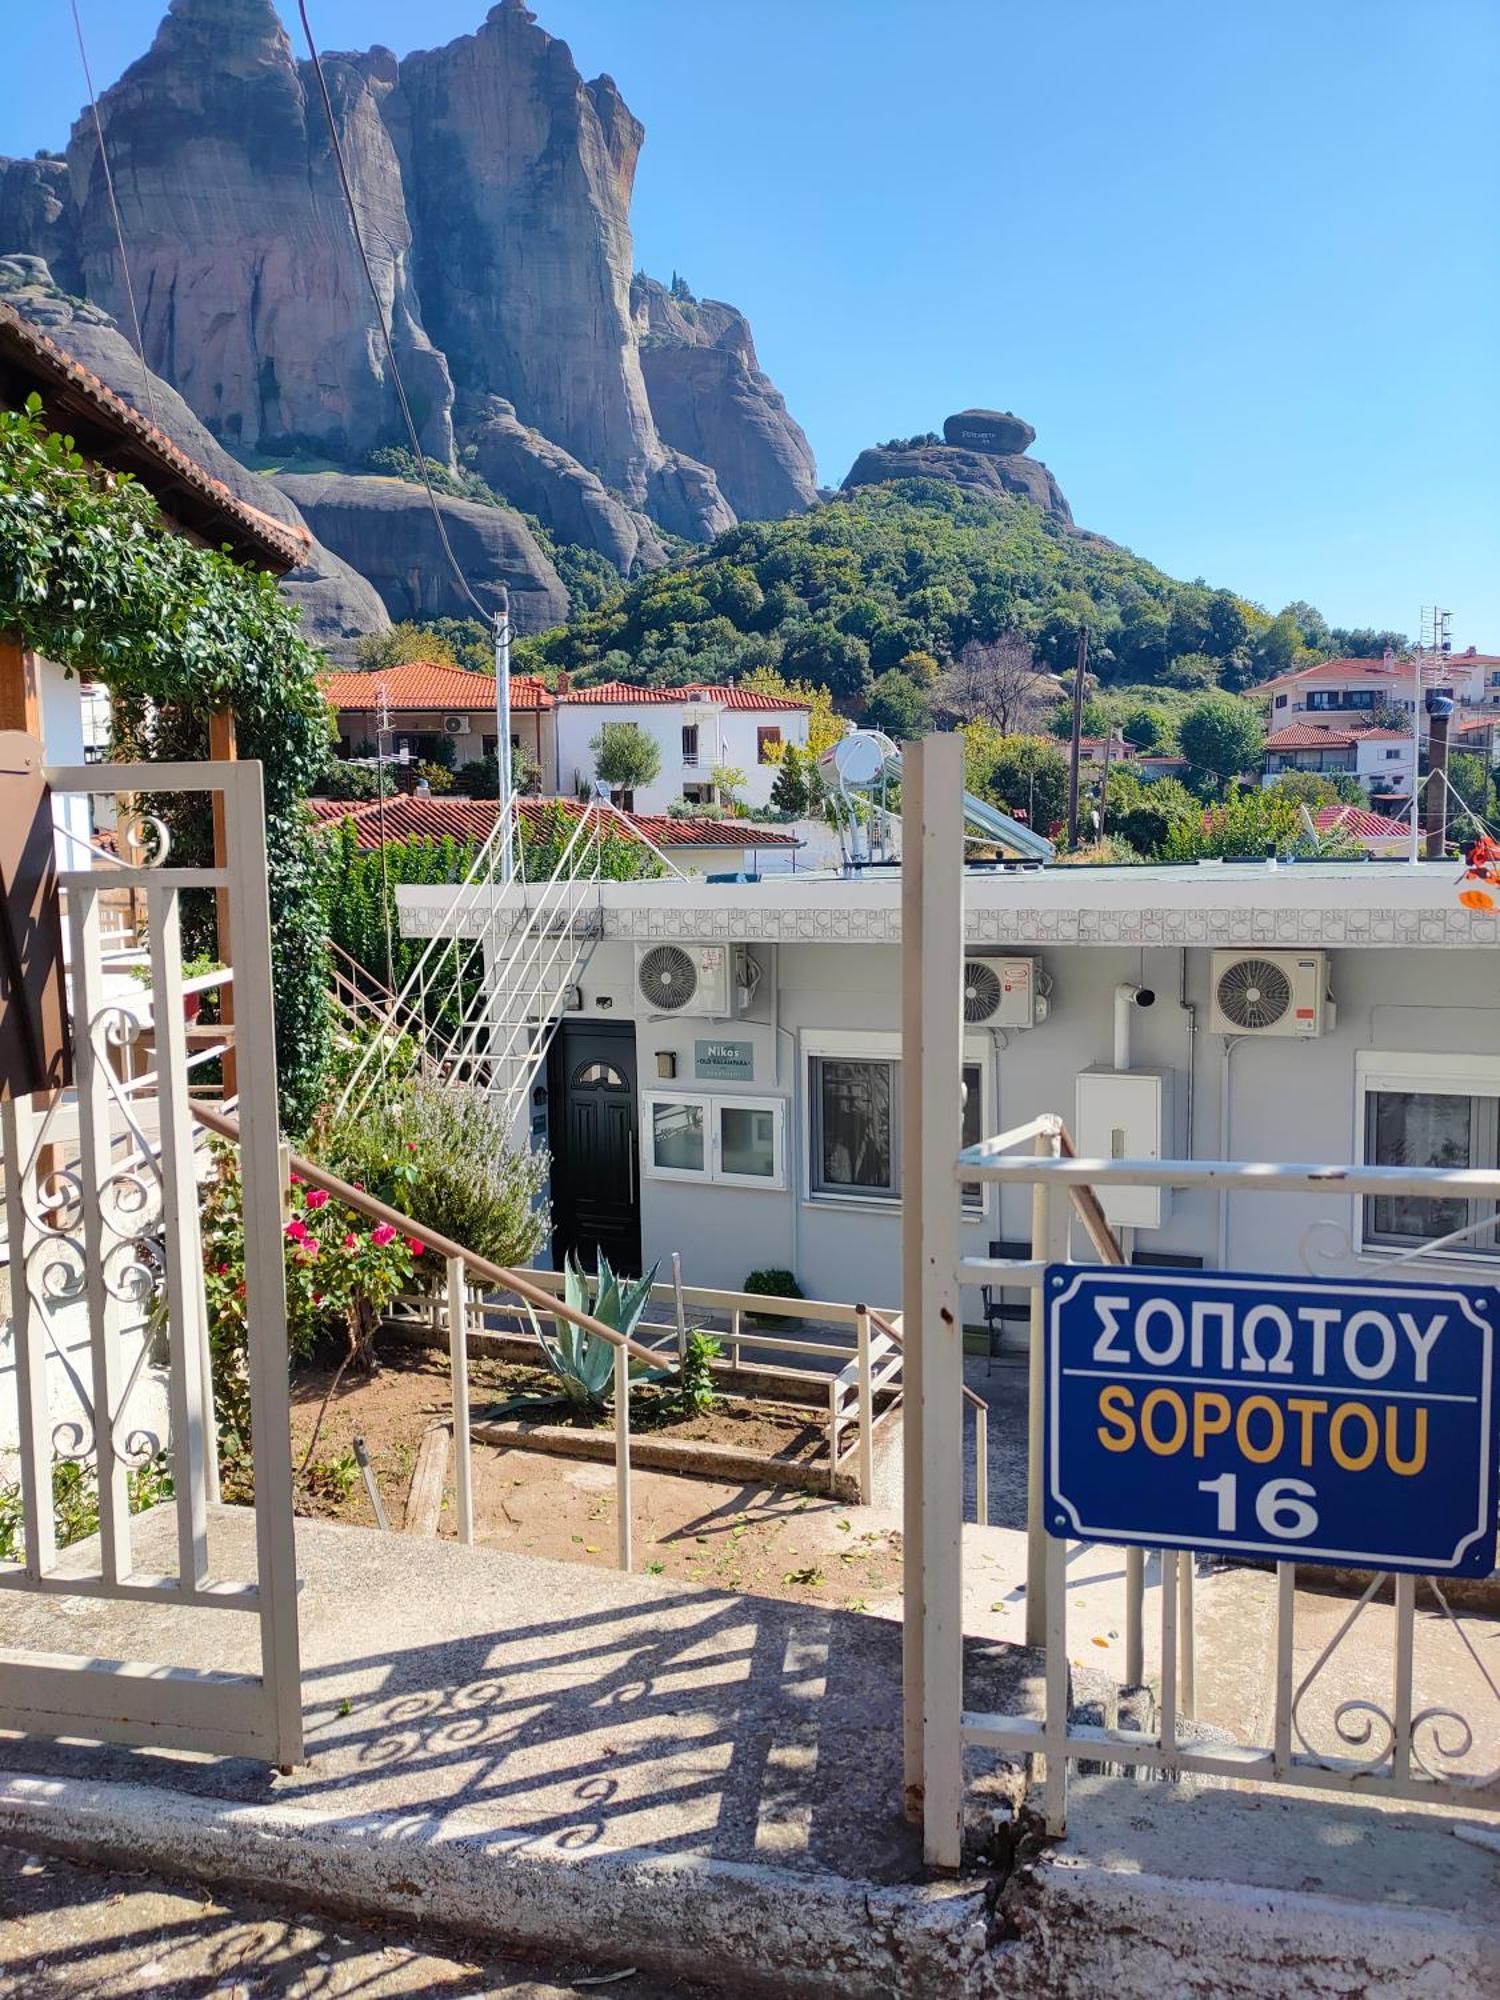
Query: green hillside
[[869, 594]]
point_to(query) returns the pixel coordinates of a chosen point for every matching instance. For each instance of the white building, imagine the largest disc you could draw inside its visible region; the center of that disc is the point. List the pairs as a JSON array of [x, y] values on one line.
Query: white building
[[757, 1125], [697, 730], [1380, 758]]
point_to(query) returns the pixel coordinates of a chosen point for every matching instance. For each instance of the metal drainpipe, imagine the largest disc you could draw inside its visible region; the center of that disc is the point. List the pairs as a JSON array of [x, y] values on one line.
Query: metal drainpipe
[[1187, 1007]]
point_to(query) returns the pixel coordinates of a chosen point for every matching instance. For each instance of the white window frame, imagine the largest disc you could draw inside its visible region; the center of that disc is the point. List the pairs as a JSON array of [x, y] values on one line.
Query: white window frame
[[872, 1045], [711, 1173], [777, 1107], [649, 1168], [1377, 1070]]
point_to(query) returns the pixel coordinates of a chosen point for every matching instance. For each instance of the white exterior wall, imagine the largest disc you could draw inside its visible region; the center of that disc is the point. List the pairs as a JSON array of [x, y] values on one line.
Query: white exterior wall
[[725, 736], [63, 740], [1376, 769], [1286, 1099]]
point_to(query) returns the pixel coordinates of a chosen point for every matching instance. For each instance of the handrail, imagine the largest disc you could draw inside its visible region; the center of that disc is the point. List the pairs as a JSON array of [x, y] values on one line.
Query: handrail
[[892, 1333], [432, 1239], [1090, 1212]]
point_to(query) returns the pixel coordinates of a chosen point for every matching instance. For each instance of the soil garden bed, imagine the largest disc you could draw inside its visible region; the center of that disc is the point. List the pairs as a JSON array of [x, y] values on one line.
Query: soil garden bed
[[768, 1443], [750, 1532]]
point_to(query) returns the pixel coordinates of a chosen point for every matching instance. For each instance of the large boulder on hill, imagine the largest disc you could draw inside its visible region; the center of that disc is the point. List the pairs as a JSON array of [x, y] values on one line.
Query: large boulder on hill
[[988, 473], [385, 529], [711, 399], [338, 606], [542, 479], [996, 431]]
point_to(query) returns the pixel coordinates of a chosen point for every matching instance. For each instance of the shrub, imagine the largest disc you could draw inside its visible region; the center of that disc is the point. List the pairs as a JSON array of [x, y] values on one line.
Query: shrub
[[775, 1284], [75, 1501], [441, 1154]]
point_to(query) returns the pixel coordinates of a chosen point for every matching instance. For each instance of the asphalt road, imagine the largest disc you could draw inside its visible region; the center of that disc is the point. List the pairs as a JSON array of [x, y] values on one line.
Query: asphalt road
[[69, 1929]]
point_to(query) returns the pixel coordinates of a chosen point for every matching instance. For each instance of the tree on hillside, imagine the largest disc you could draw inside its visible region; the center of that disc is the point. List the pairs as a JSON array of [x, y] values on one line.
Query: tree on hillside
[[625, 758], [898, 706], [1026, 776], [1145, 812], [1096, 718], [1249, 825], [1222, 737], [824, 726], [829, 658], [403, 644], [1148, 728], [992, 680], [789, 794], [1317, 789]]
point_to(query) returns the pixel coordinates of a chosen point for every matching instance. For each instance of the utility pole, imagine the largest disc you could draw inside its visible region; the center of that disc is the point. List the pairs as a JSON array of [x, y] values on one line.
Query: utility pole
[[1109, 737], [1079, 671], [502, 740]]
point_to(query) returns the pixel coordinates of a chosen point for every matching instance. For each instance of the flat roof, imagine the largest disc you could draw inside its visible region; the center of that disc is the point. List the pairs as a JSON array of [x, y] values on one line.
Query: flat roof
[[1355, 903]]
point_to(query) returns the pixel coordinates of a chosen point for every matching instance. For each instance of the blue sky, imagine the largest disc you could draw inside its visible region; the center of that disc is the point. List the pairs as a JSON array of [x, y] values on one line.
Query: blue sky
[[1237, 264]]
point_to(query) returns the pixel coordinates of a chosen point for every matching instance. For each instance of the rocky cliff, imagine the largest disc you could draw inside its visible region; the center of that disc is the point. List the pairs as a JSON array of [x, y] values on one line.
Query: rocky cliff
[[711, 399], [253, 302], [338, 605], [493, 186]]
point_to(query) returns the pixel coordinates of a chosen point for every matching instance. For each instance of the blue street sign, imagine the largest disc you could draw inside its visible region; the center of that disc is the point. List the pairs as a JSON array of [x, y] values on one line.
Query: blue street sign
[[1313, 1420]]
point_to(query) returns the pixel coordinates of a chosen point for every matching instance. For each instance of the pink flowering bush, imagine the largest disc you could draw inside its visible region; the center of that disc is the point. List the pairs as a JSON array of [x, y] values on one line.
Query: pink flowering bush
[[341, 1274]]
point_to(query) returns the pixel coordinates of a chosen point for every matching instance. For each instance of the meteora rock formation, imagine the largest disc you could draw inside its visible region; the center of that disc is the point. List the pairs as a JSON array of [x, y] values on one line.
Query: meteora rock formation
[[493, 188]]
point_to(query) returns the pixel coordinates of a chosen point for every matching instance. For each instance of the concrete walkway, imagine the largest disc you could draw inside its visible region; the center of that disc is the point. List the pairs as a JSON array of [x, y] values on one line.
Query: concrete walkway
[[543, 1752]]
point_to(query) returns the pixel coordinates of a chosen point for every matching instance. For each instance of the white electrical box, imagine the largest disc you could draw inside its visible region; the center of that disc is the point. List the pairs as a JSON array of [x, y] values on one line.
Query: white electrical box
[[1125, 1114]]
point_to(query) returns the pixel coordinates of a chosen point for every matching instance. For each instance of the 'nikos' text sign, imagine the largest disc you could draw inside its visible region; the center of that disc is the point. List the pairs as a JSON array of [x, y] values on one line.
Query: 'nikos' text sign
[[1320, 1421]]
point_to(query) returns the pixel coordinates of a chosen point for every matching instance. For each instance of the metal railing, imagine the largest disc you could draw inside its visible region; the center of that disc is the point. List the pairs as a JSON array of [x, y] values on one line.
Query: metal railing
[[484, 998], [462, 1268], [1393, 1745], [870, 1369]]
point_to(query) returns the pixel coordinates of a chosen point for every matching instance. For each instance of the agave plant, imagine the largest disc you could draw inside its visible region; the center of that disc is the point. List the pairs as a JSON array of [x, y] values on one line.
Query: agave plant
[[583, 1363]]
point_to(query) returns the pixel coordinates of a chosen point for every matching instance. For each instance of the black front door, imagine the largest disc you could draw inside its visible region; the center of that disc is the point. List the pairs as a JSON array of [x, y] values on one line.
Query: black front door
[[591, 1098]]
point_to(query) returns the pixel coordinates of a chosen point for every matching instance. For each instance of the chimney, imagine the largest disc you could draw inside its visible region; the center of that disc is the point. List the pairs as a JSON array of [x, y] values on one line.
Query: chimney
[[564, 686]]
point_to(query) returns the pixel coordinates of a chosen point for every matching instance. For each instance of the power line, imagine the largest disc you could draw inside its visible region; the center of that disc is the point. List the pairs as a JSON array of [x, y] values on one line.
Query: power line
[[385, 331], [114, 209]]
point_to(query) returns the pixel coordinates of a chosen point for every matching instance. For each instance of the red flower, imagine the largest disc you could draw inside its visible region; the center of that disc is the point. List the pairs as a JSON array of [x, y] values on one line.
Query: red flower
[[307, 1250], [382, 1234], [317, 1199], [350, 1240], [295, 1179], [411, 1145], [223, 1270], [415, 1246], [297, 1230]]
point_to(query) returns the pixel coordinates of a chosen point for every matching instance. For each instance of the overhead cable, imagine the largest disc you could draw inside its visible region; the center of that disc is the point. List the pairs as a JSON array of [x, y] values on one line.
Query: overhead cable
[[114, 209], [385, 332]]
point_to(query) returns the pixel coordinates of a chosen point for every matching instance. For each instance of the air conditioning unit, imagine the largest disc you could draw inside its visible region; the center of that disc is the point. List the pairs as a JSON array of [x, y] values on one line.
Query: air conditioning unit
[[712, 980], [456, 725], [1003, 993], [1270, 993]]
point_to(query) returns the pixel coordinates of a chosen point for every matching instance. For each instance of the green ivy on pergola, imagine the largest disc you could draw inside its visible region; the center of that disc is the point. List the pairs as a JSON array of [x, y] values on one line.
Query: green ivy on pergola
[[92, 578]]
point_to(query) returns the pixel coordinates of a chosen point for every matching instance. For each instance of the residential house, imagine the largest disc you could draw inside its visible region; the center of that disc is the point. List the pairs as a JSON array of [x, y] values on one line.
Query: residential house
[[1380, 758], [697, 729], [761, 1116], [694, 845], [427, 704], [1374, 833], [1092, 753]]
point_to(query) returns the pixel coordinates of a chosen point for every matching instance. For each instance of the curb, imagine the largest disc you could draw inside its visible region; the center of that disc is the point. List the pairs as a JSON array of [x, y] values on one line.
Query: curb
[[749, 1927]]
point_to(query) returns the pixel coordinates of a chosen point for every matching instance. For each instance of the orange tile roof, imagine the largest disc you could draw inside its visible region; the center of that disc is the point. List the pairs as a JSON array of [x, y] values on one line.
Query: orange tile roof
[[630, 693], [1313, 736], [69, 391], [431, 685], [410, 818], [1358, 821]]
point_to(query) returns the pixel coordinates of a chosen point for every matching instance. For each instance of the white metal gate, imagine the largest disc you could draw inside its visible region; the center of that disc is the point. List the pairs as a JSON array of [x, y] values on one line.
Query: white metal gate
[[101, 1206], [1403, 1741]]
